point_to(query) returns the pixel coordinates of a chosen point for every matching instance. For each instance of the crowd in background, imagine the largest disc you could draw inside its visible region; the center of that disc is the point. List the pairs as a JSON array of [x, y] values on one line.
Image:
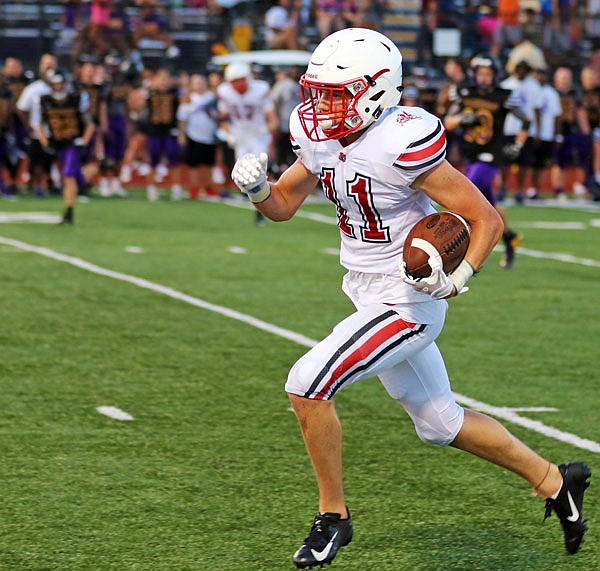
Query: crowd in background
[[133, 99]]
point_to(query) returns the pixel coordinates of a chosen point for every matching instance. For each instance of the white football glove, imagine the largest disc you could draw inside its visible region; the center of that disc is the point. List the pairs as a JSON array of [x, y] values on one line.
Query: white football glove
[[250, 175], [439, 285]]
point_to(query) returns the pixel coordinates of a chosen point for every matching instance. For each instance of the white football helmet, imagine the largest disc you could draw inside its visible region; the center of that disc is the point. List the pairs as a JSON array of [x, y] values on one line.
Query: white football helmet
[[237, 70], [352, 76]]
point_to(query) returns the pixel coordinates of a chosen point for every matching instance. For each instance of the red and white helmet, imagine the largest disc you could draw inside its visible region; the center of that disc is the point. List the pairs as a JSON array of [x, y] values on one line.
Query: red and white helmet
[[352, 76]]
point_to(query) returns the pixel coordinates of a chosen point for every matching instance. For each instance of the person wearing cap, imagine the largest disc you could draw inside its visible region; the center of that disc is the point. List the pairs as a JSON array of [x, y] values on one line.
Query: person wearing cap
[[280, 29], [63, 126], [247, 113]]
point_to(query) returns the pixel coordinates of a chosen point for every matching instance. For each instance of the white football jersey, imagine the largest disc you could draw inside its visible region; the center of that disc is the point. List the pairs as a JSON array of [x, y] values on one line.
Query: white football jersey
[[549, 111], [247, 110], [528, 93], [369, 183]]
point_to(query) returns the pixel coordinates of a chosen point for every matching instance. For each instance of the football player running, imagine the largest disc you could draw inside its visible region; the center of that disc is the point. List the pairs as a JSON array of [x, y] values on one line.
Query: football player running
[[481, 110], [247, 113], [382, 165]]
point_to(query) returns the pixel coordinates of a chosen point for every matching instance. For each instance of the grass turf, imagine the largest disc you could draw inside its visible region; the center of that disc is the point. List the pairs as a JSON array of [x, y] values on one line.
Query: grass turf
[[212, 473]]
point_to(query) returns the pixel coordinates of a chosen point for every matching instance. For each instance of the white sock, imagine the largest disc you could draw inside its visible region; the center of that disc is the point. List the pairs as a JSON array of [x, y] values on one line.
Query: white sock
[[558, 491]]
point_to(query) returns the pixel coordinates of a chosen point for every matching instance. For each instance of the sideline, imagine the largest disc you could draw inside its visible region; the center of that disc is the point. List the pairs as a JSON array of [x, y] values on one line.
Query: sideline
[[500, 412]]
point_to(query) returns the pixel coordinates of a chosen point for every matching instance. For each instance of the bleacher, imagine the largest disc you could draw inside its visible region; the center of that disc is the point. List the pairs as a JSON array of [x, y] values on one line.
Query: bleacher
[[32, 27], [26, 28]]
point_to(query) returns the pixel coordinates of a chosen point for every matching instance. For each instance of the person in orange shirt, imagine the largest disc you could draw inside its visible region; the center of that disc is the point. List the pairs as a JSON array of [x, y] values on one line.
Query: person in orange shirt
[[508, 32]]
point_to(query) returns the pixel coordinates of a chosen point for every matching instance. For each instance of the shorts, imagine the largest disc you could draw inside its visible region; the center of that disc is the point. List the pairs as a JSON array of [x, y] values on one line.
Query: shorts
[[199, 154], [544, 155], [526, 157], [167, 147]]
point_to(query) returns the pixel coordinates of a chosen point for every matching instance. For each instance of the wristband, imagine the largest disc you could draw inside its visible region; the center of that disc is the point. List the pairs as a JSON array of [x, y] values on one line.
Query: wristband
[[260, 195], [461, 274]]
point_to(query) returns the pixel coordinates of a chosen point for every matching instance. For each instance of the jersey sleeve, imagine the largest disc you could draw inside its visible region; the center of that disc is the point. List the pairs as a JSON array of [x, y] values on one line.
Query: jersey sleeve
[[426, 150], [25, 101], [35, 117]]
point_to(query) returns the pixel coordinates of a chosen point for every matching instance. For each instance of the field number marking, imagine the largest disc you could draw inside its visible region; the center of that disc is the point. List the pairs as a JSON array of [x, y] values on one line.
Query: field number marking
[[114, 412]]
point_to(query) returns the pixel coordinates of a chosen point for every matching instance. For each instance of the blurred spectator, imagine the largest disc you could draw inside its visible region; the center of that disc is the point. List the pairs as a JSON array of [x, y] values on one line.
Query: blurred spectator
[[151, 26], [9, 158], [427, 91], [107, 29], [486, 25], [71, 15], [286, 95], [532, 26], [508, 30], [410, 96], [197, 135], [526, 51], [16, 81], [333, 15], [455, 75], [122, 77], [592, 23], [162, 102], [136, 150], [590, 93], [448, 96], [280, 29], [556, 36], [526, 89], [40, 161], [573, 135], [374, 13], [550, 111]]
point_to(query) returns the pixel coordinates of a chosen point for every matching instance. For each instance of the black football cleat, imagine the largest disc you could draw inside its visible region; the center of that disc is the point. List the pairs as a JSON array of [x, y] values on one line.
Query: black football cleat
[[568, 505], [328, 533], [511, 241]]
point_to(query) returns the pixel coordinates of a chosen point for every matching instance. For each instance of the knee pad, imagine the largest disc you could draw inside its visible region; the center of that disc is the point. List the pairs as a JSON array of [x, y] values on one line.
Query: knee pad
[[302, 376], [436, 421]]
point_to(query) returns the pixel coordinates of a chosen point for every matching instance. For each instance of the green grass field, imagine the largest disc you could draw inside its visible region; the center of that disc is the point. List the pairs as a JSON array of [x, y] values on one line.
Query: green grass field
[[212, 473]]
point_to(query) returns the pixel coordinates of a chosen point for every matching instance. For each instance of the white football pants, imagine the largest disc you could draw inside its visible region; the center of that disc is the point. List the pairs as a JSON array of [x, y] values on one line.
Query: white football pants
[[376, 341]]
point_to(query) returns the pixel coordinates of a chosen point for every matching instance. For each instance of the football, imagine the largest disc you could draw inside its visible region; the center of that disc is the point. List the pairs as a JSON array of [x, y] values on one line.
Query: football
[[442, 233]]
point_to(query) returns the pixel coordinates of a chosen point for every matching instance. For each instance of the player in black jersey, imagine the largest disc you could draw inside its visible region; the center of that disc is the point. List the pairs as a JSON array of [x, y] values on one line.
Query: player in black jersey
[[63, 126], [481, 109]]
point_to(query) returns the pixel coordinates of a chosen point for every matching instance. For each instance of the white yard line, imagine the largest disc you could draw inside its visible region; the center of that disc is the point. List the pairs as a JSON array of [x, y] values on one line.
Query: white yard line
[[557, 256], [500, 412]]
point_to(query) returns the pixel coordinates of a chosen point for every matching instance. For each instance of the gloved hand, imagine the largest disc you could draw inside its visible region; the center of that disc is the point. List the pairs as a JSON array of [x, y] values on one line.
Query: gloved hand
[[79, 142], [467, 119], [250, 175], [438, 285], [512, 150]]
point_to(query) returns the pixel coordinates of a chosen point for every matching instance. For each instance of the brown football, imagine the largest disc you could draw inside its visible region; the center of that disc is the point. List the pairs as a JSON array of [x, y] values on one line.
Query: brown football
[[446, 233]]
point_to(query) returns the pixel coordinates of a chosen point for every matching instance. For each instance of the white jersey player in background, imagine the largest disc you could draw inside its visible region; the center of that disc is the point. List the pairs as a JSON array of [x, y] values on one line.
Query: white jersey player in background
[[382, 165], [248, 111]]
